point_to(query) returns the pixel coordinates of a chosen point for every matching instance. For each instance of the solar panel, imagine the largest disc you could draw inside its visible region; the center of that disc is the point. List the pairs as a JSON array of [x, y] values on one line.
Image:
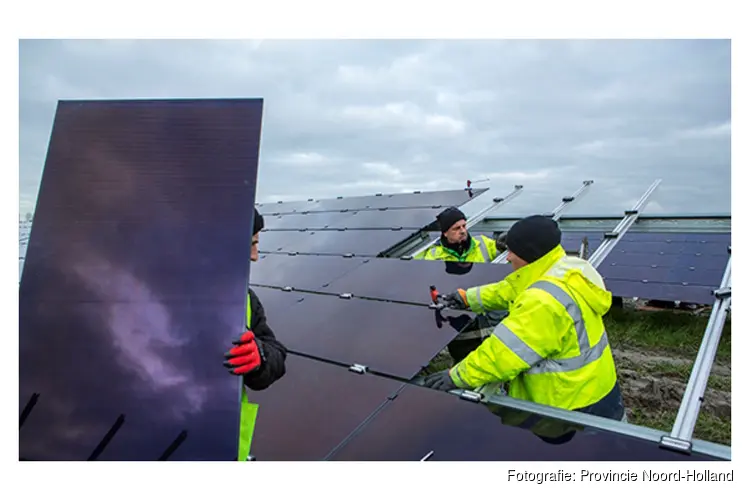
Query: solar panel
[[427, 199], [395, 339], [314, 220], [284, 206], [422, 423], [406, 218], [667, 266], [697, 294], [281, 241], [313, 408], [360, 242], [304, 272], [136, 279], [410, 280], [415, 218]]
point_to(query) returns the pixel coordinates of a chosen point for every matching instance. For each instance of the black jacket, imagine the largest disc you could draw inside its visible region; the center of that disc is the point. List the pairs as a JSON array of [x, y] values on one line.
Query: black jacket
[[274, 352]]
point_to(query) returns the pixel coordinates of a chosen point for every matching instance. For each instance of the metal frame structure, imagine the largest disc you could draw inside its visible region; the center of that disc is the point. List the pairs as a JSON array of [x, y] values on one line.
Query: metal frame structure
[[667, 223], [684, 425], [475, 219], [680, 439], [611, 238], [606, 424], [555, 214]]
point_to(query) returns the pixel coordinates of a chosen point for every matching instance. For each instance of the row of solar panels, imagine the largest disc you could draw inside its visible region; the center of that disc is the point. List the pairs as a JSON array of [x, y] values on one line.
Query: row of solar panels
[[662, 266]]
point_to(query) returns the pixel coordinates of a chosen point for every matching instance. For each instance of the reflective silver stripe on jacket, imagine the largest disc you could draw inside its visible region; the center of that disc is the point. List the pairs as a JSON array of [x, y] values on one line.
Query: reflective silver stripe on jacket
[[483, 249], [539, 364]]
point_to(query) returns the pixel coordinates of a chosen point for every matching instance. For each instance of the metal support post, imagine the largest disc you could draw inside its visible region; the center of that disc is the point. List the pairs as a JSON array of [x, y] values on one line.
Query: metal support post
[[475, 219], [682, 432], [555, 214], [613, 237]]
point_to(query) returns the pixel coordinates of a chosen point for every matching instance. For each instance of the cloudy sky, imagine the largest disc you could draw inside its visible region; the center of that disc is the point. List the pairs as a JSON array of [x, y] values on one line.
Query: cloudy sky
[[360, 117]]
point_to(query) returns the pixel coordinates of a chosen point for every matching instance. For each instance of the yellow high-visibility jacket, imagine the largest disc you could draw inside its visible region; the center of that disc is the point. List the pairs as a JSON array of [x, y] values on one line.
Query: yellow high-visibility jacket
[[482, 249], [552, 347]]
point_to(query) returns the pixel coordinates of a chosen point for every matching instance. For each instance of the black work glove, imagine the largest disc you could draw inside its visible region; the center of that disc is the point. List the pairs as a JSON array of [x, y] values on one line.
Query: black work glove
[[500, 242], [457, 300], [440, 381]]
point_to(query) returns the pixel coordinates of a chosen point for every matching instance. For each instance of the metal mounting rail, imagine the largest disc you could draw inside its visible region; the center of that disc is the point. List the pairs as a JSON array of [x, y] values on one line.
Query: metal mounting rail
[[555, 214], [682, 432], [613, 237], [475, 219]]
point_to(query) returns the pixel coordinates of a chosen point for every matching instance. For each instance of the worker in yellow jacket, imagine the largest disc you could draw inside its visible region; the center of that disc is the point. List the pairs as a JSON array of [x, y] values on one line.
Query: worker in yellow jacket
[[456, 244], [458, 249], [552, 348]]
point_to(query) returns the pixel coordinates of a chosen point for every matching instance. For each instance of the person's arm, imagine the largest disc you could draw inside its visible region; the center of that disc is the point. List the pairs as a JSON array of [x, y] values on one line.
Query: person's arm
[[490, 297], [529, 334], [274, 353]]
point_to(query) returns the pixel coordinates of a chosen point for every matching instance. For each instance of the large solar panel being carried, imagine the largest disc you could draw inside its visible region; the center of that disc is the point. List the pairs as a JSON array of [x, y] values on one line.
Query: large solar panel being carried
[[135, 279]]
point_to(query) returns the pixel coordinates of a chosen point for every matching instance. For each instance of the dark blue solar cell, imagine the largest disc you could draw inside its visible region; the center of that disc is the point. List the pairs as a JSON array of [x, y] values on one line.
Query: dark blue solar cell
[[312, 220], [427, 199], [312, 408], [414, 218], [725, 238], [699, 248], [423, 423], [284, 207], [361, 242], [281, 241], [650, 247], [397, 339], [661, 291], [410, 280], [304, 272], [136, 279], [635, 273]]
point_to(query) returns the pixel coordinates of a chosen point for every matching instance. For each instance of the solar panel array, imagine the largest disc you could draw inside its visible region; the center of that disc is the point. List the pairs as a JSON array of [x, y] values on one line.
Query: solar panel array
[[668, 266], [135, 283], [335, 312], [360, 225]]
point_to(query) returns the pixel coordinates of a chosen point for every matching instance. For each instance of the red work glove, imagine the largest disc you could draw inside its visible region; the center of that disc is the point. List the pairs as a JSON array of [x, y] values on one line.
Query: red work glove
[[246, 357]]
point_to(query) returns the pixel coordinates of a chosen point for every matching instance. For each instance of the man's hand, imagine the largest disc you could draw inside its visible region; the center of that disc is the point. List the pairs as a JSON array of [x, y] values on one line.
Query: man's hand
[[500, 243], [457, 300], [440, 381], [246, 357]]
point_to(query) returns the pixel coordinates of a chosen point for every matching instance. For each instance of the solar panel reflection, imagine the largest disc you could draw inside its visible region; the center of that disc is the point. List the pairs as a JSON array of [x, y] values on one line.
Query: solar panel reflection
[[423, 423]]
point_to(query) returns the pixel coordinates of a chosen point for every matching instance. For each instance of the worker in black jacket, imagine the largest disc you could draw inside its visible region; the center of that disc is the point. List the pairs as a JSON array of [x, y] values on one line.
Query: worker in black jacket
[[256, 356]]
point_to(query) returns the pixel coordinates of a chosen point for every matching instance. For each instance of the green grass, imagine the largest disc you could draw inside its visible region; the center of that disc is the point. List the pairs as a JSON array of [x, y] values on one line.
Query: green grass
[[664, 332], [708, 427]]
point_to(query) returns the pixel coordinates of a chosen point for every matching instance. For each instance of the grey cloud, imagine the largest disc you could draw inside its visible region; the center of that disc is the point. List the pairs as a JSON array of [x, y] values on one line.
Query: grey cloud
[[358, 117]]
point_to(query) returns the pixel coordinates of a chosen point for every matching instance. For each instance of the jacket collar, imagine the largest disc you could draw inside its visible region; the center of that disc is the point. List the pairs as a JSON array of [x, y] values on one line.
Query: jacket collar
[[523, 278], [462, 256]]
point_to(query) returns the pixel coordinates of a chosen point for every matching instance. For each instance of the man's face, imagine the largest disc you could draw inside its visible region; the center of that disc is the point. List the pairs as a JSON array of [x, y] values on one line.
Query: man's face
[[457, 233], [254, 248]]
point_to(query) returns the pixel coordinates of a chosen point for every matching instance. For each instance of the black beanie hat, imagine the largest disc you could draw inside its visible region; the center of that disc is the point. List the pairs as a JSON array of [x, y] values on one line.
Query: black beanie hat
[[448, 217], [533, 237], [257, 222]]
